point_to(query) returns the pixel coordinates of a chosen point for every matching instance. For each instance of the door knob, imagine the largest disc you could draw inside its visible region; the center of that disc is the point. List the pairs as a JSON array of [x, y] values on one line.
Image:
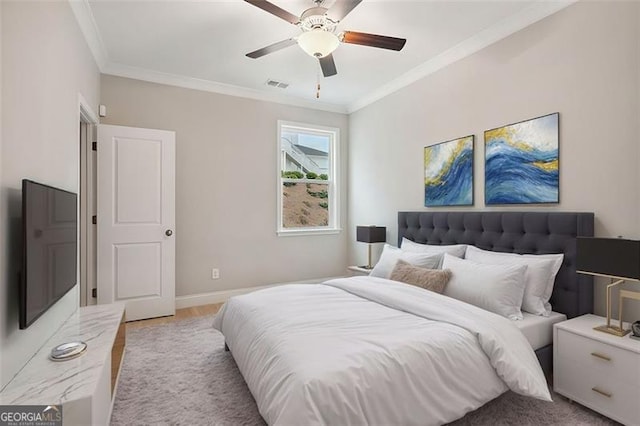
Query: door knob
[[168, 232]]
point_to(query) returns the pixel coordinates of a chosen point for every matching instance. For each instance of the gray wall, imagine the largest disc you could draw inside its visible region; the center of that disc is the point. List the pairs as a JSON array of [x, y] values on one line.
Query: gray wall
[[226, 185], [45, 65], [582, 62]]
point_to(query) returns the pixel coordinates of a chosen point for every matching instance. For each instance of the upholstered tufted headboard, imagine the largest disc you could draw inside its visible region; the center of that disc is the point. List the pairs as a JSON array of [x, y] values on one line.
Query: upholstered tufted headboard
[[514, 232]]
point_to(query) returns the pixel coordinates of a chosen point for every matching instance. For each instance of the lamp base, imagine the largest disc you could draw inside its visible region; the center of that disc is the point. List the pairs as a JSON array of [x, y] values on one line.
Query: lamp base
[[616, 331]]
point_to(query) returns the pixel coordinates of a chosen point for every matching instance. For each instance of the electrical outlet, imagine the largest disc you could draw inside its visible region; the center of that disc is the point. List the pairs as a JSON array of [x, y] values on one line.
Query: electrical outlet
[[215, 273]]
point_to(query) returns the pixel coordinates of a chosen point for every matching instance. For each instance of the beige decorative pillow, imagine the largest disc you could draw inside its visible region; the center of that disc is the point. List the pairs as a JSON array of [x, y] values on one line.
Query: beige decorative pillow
[[429, 279]]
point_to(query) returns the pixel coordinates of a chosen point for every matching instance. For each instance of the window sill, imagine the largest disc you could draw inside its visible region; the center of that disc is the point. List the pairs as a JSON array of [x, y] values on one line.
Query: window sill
[[303, 232]]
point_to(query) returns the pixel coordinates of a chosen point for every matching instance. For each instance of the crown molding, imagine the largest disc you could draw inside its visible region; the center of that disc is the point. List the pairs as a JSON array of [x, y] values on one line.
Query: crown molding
[[497, 32], [127, 71], [82, 10]]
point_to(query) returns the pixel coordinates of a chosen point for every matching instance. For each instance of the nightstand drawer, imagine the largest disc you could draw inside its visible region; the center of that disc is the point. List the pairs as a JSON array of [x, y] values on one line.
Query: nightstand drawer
[[596, 357], [597, 390]]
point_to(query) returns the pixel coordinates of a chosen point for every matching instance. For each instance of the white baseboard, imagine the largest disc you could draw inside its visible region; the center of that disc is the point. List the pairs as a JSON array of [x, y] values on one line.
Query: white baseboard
[[223, 295]]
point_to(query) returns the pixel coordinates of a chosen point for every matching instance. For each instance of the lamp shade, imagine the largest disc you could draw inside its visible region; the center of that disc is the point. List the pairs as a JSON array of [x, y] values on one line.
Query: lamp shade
[[318, 43], [614, 257], [371, 234]]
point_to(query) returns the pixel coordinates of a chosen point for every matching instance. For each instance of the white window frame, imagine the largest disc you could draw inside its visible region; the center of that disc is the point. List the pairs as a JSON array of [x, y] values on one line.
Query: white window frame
[[333, 182]]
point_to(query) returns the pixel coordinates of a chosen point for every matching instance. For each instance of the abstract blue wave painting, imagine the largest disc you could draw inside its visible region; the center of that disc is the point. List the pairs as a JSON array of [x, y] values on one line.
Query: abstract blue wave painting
[[448, 173], [522, 162]]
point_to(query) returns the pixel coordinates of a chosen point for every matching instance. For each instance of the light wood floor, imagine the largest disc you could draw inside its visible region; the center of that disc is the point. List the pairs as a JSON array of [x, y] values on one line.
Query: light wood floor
[[195, 311]]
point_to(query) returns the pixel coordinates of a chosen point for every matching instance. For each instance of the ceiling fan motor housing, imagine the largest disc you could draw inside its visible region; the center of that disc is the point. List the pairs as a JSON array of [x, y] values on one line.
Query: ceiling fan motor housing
[[316, 18]]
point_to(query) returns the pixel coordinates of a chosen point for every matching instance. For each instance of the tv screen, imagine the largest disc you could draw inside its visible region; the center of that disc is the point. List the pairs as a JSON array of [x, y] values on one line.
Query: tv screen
[[50, 245]]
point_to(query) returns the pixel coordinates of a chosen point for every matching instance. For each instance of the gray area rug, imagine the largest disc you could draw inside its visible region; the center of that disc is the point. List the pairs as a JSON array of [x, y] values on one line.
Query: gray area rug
[[179, 374]]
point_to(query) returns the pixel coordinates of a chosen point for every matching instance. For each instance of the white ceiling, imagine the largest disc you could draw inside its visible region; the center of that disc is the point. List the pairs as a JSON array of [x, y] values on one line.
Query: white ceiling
[[202, 44]]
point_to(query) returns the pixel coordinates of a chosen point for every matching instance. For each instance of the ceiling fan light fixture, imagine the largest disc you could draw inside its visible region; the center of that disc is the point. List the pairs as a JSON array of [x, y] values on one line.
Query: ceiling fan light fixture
[[318, 42]]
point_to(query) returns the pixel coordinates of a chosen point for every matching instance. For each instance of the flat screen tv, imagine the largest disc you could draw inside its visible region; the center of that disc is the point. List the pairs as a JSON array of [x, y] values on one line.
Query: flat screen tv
[[50, 246]]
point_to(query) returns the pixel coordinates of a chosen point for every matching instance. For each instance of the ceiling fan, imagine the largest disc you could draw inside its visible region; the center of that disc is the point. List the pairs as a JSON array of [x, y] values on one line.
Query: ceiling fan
[[319, 37]]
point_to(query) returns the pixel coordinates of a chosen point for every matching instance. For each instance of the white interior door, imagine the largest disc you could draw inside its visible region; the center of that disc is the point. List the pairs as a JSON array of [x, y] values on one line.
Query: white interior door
[[136, 219]]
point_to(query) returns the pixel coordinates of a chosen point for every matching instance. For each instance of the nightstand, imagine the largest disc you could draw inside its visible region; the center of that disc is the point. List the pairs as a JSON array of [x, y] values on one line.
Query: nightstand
[[358, 270], [598, 370]]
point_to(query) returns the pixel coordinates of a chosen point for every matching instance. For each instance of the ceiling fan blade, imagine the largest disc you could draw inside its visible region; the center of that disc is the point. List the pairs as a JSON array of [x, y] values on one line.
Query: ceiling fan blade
[[272, 48], [328, 66], [275, 10], [373, 40], [341, 8]]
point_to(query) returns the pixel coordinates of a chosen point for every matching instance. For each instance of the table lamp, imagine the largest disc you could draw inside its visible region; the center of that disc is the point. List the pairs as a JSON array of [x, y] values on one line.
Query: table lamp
[[614, 258], [371, 234]]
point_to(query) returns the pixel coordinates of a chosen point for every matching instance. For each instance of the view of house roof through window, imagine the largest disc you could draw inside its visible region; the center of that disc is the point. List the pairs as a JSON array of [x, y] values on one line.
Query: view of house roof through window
[[306, 153]]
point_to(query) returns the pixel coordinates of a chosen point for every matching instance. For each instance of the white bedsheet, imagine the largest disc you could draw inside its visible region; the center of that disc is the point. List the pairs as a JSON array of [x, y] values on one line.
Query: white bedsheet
[[366, 350], [538, 330]]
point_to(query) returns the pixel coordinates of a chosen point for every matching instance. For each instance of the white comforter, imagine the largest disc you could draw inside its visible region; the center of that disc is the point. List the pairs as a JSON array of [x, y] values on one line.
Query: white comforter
[[366, 350]]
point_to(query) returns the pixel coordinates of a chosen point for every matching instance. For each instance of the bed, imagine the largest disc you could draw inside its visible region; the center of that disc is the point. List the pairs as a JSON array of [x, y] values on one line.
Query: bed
[[516, 232], [367, 350]]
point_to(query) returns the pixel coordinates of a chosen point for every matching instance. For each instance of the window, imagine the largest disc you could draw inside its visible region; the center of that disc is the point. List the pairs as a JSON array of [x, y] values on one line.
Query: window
[[307, 179]]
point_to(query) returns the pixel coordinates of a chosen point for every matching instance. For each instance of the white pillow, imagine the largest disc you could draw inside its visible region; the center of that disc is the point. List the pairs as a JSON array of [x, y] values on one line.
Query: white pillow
[[390, 256], [456, 250], [538, 280], [496, 288]]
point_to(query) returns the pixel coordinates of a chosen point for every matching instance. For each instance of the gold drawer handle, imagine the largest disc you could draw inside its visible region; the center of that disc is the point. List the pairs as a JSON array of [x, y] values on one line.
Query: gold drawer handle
[[597, 355], [601, 392]]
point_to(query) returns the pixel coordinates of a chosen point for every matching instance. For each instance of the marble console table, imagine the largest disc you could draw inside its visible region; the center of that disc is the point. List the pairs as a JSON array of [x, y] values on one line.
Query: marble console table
[[85, 386]]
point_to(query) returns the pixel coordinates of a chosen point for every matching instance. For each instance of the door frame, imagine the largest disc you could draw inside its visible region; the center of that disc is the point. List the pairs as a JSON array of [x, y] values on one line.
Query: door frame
[[88, 121]]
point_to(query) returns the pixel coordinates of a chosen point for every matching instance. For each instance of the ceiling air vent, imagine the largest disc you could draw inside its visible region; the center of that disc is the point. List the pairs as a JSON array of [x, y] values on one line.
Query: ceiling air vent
[[278, 84]]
